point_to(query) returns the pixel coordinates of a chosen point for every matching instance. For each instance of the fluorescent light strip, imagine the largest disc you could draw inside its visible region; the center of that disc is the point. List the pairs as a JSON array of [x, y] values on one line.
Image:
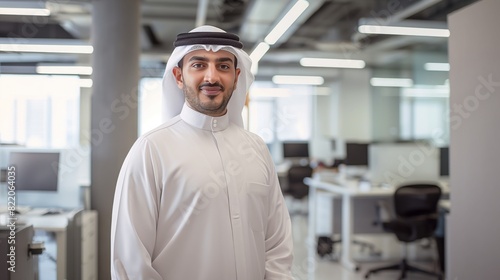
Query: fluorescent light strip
[[259, 52], [85, 83], [24, 11], [391, 82], [437, 92], [291, 16], [77, 49], [298, 80], [437, 66], [64, 70], [334, 63], [400, 30]]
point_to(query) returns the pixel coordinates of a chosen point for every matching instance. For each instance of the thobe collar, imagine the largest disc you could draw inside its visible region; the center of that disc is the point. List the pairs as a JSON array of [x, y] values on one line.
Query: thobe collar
[[203, 121]]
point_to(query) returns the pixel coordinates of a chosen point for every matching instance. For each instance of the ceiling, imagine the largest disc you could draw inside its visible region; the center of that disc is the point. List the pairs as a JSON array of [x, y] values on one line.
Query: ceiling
[[327, 28]]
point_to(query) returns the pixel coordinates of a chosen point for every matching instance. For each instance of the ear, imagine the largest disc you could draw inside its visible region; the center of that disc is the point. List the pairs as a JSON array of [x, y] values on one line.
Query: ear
[[177, 72], [238, 70]]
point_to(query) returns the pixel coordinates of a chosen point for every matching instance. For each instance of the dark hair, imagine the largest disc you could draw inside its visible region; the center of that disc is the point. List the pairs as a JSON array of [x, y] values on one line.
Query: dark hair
[[181, 62]]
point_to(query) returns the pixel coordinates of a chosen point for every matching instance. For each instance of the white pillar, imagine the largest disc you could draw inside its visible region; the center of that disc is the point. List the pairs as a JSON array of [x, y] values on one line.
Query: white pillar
[[473, 248]]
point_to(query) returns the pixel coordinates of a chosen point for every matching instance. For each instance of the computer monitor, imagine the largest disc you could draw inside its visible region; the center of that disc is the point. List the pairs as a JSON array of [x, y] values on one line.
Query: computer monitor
[[3, 175], [295, 149], [398, 163], [36, 171], [356, 154], [444, 161]]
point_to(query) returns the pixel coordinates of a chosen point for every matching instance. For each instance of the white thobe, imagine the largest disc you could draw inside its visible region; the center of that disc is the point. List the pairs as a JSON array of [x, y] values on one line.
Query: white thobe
[[198, 199]]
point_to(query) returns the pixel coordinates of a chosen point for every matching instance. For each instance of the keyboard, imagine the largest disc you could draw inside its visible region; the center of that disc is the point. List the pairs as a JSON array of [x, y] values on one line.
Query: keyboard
[[37, 211], [53, 212]]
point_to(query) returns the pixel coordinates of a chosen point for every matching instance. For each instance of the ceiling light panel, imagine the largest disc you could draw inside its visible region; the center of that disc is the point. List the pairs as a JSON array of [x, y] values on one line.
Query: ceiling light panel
[[431, 66], [402, 30], [391, 82], [24, 11], [333, 63], [42, 48], [298, 80], [290, 17], [64, 69]]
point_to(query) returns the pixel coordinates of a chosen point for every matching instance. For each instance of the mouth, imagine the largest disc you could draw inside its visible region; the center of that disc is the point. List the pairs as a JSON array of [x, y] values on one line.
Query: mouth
[[211, 90]]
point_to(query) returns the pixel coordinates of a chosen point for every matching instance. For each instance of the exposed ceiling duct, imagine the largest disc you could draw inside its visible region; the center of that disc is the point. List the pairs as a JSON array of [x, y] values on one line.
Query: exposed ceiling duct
[[327, 28]]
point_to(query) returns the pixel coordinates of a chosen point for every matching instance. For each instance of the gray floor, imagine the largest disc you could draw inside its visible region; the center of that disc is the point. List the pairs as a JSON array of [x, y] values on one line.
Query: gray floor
[[326, 268], [329, 268], [47, 260]]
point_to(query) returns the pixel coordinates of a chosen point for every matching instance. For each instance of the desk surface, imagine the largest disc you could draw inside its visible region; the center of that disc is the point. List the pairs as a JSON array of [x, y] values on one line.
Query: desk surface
[[282, 168], [445, 204], [53, 222], [333, 183]]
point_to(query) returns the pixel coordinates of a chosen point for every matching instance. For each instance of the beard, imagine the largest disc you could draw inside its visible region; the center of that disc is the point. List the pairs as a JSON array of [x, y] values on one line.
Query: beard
[[213, 106]]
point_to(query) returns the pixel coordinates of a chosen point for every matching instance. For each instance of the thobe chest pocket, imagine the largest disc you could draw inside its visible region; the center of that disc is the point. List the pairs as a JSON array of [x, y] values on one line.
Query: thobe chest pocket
[[256, 199]]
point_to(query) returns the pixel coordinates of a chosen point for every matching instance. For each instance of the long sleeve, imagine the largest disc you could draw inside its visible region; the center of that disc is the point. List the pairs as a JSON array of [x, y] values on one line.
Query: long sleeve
[[278, 238], [194, 195], [134, 218]]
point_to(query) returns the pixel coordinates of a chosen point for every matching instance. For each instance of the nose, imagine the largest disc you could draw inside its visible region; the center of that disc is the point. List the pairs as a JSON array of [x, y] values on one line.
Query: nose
[[211, 74]]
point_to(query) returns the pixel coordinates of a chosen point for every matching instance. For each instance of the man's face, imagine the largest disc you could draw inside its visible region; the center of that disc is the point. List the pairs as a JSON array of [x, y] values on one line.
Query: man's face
[[208, 80]]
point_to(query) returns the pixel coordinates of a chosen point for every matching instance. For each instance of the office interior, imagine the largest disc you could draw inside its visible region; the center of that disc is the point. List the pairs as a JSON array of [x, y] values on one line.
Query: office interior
[[80, 81]]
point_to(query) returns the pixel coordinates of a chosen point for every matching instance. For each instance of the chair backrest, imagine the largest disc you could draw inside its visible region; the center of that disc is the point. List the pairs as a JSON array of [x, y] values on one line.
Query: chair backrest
[[297, 173], [296, 186], [416, 200]]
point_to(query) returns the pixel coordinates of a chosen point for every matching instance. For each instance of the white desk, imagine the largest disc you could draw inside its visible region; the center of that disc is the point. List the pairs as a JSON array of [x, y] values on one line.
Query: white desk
[[445, 204], [282, 168], [348, 190]]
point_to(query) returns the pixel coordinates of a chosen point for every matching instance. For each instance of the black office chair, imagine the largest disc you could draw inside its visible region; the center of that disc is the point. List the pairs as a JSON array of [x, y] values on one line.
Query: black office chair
[[296, 186], [416, 209]]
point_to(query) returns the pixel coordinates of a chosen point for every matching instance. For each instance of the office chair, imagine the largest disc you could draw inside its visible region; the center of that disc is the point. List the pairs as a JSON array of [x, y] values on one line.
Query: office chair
[[416, 209], [296, 186]]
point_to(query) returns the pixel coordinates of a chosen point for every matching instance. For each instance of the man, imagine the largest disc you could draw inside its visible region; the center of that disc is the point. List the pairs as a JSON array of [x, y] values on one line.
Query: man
[[198, 197]]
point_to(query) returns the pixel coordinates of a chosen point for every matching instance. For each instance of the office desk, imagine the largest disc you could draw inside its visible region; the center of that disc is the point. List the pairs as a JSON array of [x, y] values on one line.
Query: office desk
[[52, 223], [348, 189], [76, 241]]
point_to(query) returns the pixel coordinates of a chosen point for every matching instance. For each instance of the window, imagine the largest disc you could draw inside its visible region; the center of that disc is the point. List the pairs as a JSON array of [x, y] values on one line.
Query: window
[[280, 113], [294, 115], [274, 113], [40, 111], [425, 118], [261, 119], [150, 101]]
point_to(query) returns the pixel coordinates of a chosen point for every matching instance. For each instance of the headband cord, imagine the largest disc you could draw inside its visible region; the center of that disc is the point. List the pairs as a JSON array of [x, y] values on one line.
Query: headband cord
[[208, 38]]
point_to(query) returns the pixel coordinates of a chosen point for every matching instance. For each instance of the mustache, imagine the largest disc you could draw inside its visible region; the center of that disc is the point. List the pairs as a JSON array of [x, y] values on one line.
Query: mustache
[[211, 85]]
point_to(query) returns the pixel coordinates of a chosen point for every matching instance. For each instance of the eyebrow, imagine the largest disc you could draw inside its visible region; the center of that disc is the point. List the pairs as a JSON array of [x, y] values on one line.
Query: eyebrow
[[201, 58]]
